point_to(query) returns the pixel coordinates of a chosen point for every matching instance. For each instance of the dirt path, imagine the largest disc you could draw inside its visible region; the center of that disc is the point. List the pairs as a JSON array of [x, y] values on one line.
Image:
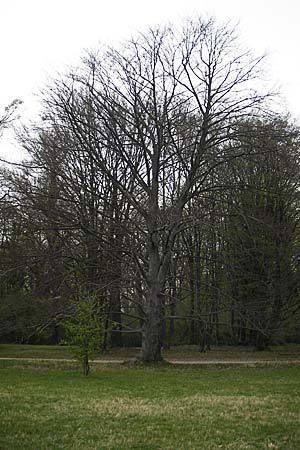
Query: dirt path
[[249, 362]]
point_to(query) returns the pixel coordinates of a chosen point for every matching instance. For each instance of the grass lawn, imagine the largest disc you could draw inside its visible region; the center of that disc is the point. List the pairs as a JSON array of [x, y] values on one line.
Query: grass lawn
[[35, 351], [187, 353], [137, 408]]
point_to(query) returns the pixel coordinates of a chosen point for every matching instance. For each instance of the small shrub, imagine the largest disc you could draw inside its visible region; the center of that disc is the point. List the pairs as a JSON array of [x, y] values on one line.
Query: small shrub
[[84, 331]]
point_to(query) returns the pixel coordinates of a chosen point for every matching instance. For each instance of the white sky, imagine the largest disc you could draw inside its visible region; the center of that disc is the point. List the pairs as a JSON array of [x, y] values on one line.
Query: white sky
[[41, 37]]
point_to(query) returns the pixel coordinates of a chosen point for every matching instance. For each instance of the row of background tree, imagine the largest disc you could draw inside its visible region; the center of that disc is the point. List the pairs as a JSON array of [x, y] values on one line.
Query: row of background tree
[[234, 276], [73, 221]]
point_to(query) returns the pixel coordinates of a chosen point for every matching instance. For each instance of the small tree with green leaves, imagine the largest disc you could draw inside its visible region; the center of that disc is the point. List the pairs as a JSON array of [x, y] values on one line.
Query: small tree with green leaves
[[84, 331]]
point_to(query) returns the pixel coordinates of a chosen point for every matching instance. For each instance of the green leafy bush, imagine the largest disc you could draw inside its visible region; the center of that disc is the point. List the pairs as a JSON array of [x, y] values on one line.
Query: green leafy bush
[[84, 331]]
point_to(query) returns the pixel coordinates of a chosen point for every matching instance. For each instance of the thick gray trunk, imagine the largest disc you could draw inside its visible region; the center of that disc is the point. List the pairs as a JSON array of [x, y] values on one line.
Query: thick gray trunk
[[159, 265], [152, 328]]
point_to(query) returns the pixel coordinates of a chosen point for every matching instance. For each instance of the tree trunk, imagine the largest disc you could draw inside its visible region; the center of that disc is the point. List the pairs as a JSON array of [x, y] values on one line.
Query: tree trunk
[[151, 333], [192, 339], [152, 327], [159, 261], [85, 365], [116, 316]]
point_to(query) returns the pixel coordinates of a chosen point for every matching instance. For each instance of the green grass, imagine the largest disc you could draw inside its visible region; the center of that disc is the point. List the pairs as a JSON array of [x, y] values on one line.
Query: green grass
[[169, 408], [186, 353], [35, 351]]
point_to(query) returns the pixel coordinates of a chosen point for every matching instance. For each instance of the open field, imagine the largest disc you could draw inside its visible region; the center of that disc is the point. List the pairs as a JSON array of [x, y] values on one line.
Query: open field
[[137, 408]]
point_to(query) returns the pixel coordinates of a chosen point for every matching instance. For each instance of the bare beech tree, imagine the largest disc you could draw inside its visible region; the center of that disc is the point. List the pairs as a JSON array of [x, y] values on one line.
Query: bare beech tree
[[163, 105]]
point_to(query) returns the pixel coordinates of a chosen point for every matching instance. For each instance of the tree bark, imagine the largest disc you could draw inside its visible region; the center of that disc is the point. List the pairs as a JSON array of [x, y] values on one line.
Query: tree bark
[[152, 327], [85, 365], [151, 333]]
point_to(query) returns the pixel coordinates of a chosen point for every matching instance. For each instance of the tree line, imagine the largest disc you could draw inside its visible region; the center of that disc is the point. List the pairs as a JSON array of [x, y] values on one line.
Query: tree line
[[159, 182]]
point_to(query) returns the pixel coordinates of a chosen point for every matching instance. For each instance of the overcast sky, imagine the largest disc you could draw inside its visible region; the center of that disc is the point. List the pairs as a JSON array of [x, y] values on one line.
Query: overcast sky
[[41, 37]]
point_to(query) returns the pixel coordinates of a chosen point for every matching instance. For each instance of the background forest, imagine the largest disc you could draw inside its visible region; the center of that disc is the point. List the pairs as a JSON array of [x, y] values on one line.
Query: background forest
[[159, 183]]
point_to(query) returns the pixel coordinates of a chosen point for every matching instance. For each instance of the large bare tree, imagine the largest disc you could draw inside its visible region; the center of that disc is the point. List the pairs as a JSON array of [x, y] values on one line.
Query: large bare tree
[[163, 105]]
